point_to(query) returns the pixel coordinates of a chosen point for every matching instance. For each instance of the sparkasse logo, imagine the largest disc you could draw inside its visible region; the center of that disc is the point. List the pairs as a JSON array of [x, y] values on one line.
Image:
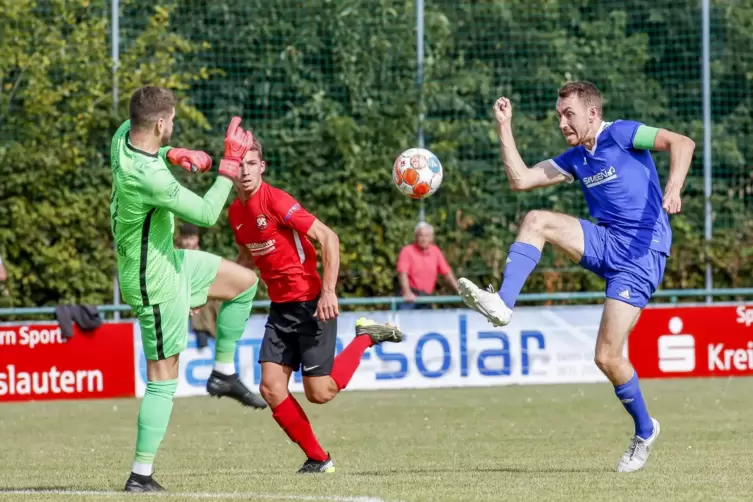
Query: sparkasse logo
[[676, 351]]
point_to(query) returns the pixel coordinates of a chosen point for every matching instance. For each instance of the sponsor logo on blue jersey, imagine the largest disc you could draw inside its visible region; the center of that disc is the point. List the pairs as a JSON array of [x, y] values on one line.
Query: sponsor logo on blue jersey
[[603, 176]]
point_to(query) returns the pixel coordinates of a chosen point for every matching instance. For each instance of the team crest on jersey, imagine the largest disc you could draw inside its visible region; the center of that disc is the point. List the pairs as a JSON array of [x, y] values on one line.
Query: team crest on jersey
[[261, 222]]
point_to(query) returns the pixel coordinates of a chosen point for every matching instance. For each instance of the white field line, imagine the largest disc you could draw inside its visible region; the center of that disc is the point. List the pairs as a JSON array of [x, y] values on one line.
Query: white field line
[[196, 495]]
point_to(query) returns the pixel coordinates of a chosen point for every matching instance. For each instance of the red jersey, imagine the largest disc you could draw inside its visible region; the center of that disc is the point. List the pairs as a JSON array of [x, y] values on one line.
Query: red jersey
[[272, 225]]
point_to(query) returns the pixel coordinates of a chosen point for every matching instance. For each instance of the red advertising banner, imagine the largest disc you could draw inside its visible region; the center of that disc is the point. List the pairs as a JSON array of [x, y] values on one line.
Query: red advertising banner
[[693, 342], [38, 363]]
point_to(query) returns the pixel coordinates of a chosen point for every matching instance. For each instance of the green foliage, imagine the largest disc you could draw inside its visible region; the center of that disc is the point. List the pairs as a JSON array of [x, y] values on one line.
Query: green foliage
[[333, 101], [56, 120], [330, 88]]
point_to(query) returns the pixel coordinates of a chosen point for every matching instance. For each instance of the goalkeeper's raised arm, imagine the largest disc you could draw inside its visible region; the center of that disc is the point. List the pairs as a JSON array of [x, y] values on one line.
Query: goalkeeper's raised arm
[[161, 189], [144, 137]]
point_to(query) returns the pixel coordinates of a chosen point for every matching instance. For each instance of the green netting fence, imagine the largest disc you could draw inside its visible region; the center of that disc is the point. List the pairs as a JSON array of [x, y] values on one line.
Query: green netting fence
[[332, 88]]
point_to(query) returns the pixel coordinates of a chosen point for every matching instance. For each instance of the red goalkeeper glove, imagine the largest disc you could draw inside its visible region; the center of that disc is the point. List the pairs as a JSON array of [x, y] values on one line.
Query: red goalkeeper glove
[[237, 143], [190, 160]]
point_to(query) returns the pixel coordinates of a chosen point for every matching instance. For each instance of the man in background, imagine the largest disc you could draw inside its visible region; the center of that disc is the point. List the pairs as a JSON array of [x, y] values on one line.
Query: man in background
[[203, 320], [419, 265], [188, 237]]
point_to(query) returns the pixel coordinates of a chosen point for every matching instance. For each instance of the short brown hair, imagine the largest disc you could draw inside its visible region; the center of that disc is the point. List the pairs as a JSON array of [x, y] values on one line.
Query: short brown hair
[[256, 147], [149, 104], [585, 91], [188, 230]]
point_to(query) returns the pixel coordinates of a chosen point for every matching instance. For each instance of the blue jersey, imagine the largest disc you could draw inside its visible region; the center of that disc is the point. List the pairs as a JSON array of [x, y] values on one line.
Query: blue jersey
[[621, 186]]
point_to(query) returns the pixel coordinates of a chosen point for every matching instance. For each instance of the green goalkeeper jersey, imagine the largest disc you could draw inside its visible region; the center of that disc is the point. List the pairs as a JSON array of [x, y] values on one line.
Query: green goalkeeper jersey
[[145, 196]]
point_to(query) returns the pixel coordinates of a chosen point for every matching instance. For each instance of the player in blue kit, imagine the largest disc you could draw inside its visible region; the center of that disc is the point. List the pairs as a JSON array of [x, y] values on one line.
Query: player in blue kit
[[628, 246]]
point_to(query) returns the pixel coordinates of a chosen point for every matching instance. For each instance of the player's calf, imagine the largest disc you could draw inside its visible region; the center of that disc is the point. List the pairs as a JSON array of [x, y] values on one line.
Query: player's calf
[[287, 412], [154, 416], [616, 323], [537, 228], [368, 334], [621, 374], [237, 286], [320, 389]]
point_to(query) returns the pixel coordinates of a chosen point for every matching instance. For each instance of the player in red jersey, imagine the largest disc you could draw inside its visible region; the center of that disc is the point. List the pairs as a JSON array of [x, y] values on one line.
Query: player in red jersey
[[272, 232]]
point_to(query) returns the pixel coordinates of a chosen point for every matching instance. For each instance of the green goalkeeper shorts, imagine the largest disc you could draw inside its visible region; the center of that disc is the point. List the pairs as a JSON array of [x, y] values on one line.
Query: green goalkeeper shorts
[[164, 326]]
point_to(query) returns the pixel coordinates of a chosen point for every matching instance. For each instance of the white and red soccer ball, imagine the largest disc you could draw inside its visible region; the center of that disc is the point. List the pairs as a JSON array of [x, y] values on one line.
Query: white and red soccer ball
[[417, 173]]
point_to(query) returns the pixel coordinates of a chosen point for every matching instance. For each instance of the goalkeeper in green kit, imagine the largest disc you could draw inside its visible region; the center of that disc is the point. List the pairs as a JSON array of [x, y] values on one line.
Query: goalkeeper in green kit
[[162, 284]]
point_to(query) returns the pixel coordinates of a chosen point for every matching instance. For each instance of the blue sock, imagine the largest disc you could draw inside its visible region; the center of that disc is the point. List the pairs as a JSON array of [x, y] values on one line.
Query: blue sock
[[521, 260], [630, 395]]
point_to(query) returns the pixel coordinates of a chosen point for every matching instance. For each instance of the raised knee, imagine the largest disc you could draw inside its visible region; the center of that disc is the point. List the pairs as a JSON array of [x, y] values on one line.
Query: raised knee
[[247, 281], [536, 220], [251, 278], [320, 396]]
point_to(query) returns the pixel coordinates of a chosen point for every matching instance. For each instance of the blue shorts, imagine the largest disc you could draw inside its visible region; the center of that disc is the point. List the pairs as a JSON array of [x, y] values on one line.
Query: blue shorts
[[632, 274]]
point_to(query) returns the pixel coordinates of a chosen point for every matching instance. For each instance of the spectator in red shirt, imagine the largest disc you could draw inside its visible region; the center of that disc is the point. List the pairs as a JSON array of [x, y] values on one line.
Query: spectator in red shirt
[[418, 266]]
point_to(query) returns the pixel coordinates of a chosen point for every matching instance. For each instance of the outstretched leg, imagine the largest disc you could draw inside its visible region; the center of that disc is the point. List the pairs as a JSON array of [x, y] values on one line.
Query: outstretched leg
[[323, 388], [538, 228]]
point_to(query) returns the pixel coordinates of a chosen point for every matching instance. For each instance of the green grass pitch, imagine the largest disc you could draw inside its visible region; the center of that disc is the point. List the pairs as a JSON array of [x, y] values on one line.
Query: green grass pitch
[[527, 443]]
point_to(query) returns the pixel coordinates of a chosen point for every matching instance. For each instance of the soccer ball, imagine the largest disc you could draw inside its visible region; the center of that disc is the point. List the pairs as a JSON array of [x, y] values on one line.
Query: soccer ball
[[417, 173]]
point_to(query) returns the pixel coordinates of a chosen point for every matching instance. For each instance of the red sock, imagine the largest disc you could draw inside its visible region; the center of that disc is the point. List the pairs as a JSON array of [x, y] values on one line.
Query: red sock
[[347, 361], [293, 420]]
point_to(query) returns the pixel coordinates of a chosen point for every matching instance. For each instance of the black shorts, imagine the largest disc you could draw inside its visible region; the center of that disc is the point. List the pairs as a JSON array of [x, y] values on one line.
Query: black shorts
[[294, 337]]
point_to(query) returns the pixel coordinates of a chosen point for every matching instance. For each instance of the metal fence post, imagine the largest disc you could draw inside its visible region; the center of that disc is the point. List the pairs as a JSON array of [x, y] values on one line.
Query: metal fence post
[[115, 26], [420, 82], [707, 172]]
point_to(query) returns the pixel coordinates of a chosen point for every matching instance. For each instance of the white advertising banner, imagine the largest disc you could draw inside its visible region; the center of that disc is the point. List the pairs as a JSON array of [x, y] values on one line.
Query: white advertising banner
[[442, 348]]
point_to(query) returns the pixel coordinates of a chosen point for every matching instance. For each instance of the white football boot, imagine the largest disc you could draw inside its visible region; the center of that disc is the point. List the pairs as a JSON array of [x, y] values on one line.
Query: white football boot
[[637, 453], [487, 303]]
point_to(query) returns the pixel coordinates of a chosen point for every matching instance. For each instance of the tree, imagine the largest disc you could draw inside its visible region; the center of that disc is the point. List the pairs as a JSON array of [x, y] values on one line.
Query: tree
[[57, 118], [330, 88]]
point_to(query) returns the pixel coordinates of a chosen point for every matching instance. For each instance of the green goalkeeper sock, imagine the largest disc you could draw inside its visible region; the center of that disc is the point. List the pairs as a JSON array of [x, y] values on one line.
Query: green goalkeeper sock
[[154, 415], [231, 322]]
